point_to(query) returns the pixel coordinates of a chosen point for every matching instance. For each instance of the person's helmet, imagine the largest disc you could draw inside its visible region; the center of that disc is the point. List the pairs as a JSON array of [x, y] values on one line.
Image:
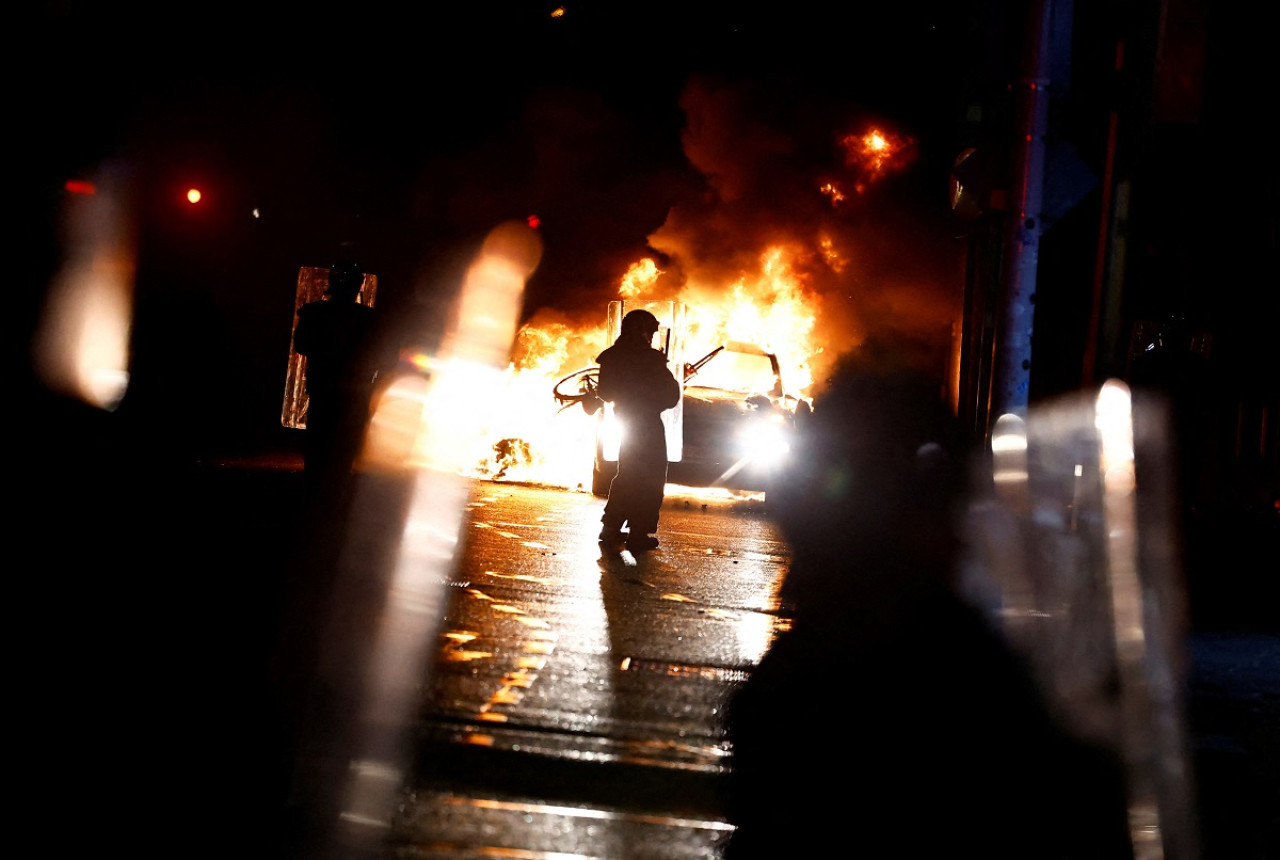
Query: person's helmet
[[345, 277], [641, 322]]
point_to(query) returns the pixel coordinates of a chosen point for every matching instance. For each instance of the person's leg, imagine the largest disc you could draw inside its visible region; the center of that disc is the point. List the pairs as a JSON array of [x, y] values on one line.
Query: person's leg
[[649, 478], [612, 522], [648, 497], [618, 504]]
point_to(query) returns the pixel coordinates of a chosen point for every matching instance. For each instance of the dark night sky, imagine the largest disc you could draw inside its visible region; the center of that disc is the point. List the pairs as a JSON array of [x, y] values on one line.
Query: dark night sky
[[368, 120]]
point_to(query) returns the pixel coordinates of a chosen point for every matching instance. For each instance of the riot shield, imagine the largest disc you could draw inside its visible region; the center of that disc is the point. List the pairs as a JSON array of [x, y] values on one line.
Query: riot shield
[[1074, 555]]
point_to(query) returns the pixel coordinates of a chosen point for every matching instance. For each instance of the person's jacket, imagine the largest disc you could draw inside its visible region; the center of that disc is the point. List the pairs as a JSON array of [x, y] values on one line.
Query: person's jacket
[[635, 378], [337, 339]]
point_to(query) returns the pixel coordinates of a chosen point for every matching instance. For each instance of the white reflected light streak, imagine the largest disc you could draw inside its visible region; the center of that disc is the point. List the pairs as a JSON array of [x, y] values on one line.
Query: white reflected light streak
[[756, 631], [599, 814], [1113, 419], [1009, 451], [403, 636], [81, 345]]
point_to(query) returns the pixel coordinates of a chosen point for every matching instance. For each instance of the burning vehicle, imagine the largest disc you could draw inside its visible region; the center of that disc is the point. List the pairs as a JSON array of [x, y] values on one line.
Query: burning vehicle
[[733, 428], [739, 420]]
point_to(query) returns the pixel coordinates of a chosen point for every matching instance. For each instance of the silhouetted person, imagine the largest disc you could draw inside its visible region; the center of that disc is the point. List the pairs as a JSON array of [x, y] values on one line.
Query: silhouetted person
[[337, 335], [891, 720], [634, 377]]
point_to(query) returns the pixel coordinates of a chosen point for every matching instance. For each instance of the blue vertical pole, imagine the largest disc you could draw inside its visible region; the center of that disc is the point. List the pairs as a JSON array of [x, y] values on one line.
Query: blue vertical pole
[[1010, 392]]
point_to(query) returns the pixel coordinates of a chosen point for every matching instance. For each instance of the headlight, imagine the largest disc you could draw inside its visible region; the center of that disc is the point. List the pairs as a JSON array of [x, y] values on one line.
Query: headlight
[[765, 440]]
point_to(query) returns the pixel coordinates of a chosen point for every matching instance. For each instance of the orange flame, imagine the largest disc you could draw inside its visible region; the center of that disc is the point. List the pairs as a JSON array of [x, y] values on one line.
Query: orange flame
[[832, 190], [875, 153], [529, 437], [639, 279]]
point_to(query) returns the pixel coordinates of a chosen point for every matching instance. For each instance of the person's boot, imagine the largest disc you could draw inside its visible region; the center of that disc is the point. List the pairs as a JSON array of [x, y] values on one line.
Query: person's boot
[[638, 543], [612, 537]]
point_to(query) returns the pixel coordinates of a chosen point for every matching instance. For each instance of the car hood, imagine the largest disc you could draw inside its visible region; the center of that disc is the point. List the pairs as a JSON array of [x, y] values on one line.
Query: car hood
[[720, 398]]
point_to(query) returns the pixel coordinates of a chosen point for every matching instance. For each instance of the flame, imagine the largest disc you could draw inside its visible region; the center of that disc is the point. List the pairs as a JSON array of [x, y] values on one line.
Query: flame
[[831, 254], [832, 190], [640, 279], [528, 437], [875, 153], [768, 307], [750, 261]]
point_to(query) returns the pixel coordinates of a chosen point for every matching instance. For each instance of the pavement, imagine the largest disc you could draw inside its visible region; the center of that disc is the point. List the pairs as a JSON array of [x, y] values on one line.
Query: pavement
[[155, 607]]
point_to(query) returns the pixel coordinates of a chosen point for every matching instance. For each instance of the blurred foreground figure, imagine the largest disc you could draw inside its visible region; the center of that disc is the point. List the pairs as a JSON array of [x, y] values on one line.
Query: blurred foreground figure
[[635, 378], [944, 746], [337, 335]]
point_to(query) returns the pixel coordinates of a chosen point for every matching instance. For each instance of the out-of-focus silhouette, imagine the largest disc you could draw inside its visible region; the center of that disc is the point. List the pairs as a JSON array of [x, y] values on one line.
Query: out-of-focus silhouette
[[948, 747], [634, 377], [338, 337]]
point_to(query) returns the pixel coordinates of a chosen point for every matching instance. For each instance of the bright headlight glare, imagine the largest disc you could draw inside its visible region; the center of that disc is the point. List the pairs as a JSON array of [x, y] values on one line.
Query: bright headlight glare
[[765, 441]]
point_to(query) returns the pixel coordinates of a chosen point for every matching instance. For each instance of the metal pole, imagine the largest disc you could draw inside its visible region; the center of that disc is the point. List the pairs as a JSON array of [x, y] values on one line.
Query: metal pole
[[1022, 231]]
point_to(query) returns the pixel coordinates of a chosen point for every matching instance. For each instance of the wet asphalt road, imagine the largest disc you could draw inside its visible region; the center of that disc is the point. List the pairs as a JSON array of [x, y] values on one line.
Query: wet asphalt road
[[574, 701]]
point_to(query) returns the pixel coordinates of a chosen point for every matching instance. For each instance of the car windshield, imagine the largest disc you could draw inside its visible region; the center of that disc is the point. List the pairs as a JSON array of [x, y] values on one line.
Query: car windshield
[[736, 371]]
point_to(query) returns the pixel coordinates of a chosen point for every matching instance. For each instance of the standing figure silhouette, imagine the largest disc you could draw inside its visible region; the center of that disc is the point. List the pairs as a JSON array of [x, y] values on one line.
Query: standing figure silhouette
[[635, 378], [337, 335]]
